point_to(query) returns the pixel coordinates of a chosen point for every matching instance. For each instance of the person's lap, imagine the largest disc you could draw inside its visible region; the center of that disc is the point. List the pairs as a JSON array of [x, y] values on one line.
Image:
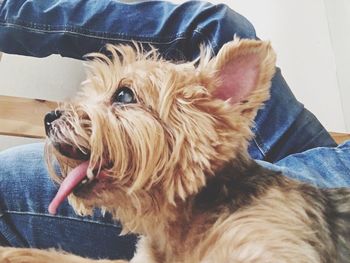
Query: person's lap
[[25, 193], [70, 28]]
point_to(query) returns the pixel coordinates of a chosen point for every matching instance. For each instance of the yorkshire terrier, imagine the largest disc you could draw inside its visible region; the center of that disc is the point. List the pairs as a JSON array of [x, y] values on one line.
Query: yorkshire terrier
[[162, 146]]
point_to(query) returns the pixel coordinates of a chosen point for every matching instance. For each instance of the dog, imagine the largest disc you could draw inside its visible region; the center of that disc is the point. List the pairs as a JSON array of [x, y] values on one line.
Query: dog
[[162, 146]]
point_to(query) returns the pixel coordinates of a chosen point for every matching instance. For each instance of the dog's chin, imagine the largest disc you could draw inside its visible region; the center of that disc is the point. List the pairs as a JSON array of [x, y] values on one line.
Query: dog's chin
[[71, 157]]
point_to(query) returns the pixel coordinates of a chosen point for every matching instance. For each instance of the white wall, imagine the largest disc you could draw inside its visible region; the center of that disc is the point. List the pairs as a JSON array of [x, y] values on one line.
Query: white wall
[[338, 13], [52, 78], [300, 34], [309, 36]]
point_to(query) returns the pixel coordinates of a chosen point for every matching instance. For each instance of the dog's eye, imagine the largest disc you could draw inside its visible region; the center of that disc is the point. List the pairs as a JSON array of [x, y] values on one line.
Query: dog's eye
[[124, 95]]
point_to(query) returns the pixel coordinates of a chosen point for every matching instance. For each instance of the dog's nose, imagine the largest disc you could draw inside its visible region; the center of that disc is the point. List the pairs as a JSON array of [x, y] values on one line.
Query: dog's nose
[[49, 119]]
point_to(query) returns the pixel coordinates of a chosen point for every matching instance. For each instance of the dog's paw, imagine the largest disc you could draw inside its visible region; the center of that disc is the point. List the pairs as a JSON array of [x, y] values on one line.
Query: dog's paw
[[29, 255], [15, 255]]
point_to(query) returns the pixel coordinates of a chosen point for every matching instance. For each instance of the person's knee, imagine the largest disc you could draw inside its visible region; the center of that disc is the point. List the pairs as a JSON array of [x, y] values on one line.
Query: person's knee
[[235, 23], [221, 24], [21, 161]]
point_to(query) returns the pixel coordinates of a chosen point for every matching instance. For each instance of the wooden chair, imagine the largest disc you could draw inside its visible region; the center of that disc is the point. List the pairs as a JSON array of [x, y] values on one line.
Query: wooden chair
[[24, 117]]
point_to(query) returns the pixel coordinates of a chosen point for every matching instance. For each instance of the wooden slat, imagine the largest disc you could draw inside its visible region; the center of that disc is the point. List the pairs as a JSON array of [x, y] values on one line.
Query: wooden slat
[[23, 117], [340, 137]]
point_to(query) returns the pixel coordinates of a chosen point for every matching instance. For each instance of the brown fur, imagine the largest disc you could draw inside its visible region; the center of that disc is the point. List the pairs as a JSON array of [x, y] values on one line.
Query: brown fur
[[176, 163]]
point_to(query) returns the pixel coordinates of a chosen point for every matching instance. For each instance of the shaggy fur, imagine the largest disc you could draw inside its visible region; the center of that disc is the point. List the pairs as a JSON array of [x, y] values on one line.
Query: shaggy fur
[[172, 165]]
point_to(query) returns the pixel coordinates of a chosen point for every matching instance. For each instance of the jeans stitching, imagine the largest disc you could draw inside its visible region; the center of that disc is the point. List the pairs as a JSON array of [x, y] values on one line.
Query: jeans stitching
[[143, 40], [74, 30], [59, 217]]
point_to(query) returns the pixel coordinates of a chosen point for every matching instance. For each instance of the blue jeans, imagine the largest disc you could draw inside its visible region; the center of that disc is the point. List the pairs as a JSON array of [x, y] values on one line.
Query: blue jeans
[[286, 132]]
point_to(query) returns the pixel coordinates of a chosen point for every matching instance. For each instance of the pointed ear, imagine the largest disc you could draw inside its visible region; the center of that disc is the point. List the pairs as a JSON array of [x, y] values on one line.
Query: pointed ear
[[244, 69]]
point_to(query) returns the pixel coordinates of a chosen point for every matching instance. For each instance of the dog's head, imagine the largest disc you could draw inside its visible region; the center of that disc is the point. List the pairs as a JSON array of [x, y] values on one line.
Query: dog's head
[[143, 128]]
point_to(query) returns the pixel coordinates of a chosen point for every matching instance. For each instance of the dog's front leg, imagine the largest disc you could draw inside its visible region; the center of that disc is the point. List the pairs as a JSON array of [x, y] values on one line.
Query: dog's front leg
[[29, 255], [145, 252]]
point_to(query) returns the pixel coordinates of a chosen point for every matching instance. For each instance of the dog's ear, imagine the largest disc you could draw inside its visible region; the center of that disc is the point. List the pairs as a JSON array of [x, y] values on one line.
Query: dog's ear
[[244, 69]]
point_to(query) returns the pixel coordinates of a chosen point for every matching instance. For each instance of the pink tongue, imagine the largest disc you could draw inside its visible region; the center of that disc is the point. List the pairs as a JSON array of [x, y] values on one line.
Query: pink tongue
[[67, 186]]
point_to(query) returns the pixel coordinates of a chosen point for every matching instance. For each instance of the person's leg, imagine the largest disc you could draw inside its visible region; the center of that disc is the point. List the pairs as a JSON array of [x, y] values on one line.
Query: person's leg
[[25, 193], [324, 167], [73, 28], [284, 126]]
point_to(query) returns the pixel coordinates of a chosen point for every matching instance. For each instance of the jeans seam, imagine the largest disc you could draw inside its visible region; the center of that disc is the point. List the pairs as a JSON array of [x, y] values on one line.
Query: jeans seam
[[42, 28], [59, 217]]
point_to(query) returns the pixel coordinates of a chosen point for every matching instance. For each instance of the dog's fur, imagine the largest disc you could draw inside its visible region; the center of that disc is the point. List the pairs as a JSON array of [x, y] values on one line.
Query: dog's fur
[[175, 164]]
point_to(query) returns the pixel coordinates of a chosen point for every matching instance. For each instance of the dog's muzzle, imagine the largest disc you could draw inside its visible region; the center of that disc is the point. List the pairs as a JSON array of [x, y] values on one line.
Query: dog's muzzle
[[68, 150]]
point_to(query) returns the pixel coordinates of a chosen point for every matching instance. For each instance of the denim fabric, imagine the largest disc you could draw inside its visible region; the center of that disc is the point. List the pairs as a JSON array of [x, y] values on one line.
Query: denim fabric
[[25, 193], [73, 28], [323, 167]]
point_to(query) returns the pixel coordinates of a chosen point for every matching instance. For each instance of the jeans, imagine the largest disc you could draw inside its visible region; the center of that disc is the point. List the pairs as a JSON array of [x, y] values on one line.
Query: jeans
[[286, 134]]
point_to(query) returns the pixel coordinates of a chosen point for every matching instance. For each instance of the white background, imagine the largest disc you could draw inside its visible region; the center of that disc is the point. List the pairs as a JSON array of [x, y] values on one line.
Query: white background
[[311, 38]]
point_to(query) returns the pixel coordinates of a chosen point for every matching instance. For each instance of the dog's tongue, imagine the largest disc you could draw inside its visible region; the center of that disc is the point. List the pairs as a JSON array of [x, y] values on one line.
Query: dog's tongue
[[69, 183]]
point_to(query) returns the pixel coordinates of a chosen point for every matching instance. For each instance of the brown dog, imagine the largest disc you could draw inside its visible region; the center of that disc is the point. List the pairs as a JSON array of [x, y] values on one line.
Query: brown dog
[[163, 147]]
